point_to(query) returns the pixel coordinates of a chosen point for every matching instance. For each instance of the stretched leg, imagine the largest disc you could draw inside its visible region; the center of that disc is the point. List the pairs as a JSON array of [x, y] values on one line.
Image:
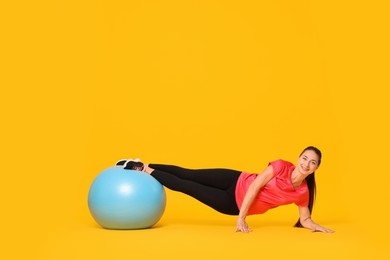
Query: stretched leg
[[219, 199], [217, 178]]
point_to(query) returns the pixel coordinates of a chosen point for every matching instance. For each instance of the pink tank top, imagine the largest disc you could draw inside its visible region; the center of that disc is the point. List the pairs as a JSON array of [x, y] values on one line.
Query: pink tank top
[[278, 191]]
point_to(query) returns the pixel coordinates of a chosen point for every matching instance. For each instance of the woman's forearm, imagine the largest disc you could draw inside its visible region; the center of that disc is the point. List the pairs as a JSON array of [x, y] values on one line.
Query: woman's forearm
[[241, 224], [250, 196], [247, 202]]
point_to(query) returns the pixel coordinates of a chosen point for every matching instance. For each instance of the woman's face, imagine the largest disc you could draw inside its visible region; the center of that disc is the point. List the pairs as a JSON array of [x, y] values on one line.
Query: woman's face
[[308, 162]]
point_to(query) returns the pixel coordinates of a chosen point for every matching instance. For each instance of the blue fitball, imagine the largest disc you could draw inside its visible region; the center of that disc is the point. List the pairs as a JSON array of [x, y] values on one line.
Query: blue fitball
[[126, 199]]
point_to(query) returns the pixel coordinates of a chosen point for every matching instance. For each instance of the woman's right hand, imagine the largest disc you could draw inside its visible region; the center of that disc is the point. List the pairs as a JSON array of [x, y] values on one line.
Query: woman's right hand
[[242, 226], [261, 180]]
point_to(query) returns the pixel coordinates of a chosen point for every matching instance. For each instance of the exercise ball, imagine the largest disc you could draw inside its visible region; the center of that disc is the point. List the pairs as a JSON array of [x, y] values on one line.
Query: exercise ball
[[126, 199]]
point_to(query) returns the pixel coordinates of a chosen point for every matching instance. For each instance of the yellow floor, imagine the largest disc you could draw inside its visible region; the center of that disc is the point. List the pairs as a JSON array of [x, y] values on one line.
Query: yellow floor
[[204, 239], [196, 235]]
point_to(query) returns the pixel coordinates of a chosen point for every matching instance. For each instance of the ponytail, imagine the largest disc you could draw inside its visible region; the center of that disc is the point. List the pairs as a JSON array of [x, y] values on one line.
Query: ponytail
[[311, 184]]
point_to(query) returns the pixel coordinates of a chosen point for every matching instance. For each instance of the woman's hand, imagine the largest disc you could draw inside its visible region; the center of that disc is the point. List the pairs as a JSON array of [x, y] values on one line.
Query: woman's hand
[[242, 226], [307, 222], [319, 228]]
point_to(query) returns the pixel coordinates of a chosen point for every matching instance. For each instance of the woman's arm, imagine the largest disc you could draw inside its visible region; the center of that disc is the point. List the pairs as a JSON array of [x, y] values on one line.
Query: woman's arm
[[250, 195], [307, 222]]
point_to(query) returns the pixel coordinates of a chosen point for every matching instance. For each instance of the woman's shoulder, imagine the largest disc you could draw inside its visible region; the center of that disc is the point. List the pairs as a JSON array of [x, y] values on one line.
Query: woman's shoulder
[[281, 162], [280, 165]]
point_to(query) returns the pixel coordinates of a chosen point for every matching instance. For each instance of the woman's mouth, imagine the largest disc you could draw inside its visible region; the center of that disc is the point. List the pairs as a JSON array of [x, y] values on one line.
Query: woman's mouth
[[306, 169]]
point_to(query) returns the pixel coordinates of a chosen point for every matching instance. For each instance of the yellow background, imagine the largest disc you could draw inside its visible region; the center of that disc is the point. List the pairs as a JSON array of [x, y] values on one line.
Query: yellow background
[[199, 84]]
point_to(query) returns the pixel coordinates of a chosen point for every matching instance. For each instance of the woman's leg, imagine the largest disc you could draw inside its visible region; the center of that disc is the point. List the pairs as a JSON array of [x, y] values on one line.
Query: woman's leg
[[222, 200], [217, 178]]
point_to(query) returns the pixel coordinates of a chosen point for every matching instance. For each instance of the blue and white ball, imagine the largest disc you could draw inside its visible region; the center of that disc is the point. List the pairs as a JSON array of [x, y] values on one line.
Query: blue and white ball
[[126, 199]]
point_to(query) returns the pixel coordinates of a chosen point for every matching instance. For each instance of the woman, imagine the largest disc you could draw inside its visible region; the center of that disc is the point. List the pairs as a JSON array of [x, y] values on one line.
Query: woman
[[240, 193]]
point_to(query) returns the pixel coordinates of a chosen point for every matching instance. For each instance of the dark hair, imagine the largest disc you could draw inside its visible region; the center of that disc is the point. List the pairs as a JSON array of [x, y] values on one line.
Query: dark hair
[[311, 181]]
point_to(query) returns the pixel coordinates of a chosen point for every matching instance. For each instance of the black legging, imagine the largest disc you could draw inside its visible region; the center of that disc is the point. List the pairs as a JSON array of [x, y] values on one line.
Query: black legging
[[213, 187]]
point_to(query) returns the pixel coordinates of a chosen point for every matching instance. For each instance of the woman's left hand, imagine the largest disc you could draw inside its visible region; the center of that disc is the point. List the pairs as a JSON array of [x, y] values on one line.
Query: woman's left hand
[[319, 228]]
